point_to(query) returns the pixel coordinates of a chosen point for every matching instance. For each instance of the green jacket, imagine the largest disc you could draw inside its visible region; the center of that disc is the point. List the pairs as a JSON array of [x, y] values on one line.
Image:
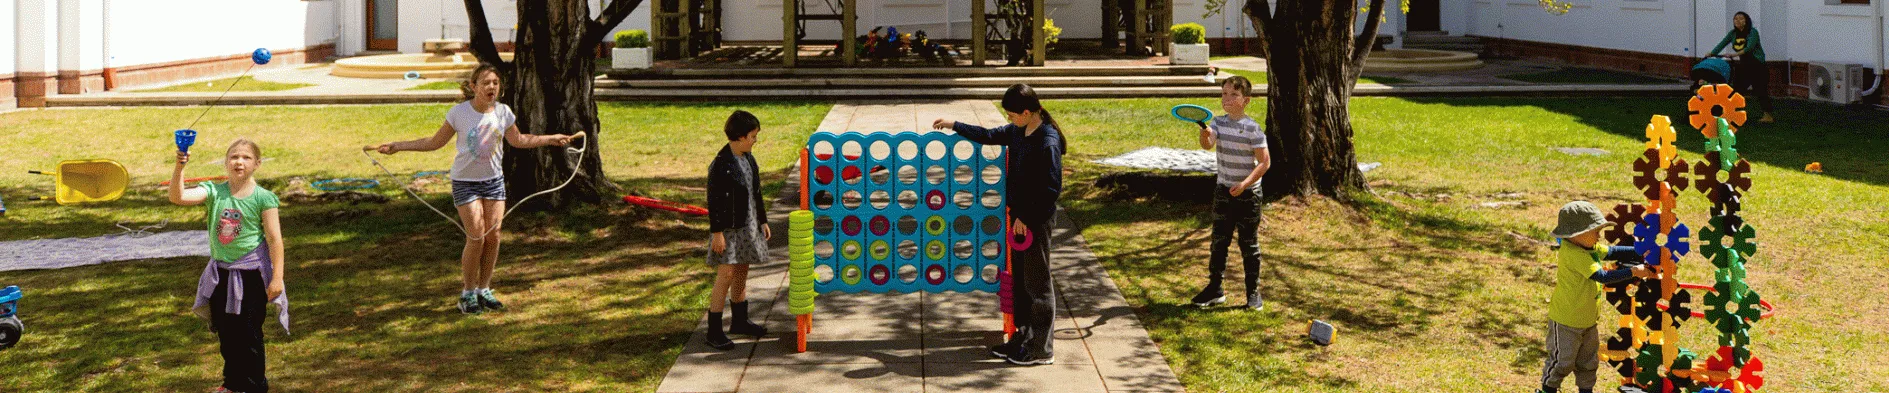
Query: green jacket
[[1749, 45]]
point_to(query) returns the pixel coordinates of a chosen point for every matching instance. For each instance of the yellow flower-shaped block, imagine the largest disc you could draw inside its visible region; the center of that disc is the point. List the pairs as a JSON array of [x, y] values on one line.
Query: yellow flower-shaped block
[[1660, 135]]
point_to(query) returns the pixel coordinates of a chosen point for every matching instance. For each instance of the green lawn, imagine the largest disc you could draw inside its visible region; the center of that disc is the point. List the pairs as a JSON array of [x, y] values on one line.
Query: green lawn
[[243, 83], [1589, 76], [1429, 293], [603, 298], [1432, 294]]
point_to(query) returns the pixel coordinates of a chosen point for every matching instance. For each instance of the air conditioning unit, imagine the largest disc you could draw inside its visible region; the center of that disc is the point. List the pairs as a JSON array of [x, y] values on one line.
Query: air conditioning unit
[[1836, 83], [1861, 78]]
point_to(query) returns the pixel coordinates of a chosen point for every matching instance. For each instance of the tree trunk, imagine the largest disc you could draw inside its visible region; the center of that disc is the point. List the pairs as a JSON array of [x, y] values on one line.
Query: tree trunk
[[1313, 62], [548, 85]]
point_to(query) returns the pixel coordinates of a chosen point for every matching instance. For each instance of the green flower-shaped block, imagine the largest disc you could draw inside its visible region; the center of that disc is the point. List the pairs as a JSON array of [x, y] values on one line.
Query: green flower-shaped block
[[1723, 144]]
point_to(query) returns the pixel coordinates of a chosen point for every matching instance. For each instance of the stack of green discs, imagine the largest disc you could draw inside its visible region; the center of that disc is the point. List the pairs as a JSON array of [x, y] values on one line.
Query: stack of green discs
[[800, 291]]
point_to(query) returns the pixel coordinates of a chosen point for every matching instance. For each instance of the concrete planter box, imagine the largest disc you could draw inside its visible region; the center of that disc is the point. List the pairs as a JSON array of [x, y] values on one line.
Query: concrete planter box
[[1187, 54], [629, 58]]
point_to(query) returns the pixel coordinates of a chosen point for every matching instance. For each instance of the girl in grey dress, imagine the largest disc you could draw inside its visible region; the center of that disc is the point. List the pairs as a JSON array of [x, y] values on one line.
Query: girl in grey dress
[[737, 226]]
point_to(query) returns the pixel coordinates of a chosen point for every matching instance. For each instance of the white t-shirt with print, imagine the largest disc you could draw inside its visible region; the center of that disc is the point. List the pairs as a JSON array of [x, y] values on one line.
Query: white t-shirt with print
[[479, 137]]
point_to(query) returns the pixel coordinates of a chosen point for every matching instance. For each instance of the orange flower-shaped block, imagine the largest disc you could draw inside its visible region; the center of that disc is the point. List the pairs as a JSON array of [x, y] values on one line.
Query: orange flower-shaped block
[[1729, 104]]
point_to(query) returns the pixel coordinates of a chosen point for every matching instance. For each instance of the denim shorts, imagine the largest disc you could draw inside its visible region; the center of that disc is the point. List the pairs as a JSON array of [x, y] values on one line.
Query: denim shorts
[[465, 192]]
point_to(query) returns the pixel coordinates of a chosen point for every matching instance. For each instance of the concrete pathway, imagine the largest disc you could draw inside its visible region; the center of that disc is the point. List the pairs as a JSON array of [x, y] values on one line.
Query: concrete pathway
[[928, 342]]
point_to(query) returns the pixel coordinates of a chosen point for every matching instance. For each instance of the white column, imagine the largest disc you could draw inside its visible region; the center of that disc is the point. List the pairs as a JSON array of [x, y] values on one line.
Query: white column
[[69, 47], [29, 53]]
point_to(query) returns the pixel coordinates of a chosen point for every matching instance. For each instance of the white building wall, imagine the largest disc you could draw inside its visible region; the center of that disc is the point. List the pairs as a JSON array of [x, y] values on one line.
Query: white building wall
[[1797, 30], [8, 36], [146, 32]]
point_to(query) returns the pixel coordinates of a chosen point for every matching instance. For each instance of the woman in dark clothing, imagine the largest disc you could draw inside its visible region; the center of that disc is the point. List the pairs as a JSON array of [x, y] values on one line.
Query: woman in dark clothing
[[1754, 78], [1035, 181]]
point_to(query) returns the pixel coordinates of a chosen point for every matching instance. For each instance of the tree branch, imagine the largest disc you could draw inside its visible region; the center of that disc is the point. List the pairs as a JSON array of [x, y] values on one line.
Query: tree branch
[[482, 46], [613, 15], [1261, 16], [1361, 48]]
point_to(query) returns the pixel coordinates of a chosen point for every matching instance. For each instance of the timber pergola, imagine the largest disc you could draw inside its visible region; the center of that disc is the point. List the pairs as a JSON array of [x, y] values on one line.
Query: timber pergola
[[984, 32], [1145, 21], [681, 29]]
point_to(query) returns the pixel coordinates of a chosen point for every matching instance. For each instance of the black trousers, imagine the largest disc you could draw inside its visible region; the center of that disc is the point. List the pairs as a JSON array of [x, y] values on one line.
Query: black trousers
[[241, 334], [1033, 294], [1754, 79], [1234, 216]]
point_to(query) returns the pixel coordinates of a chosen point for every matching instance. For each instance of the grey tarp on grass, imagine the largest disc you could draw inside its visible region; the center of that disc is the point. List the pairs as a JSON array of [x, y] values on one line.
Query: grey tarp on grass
[[69, 252], [1187, 160]]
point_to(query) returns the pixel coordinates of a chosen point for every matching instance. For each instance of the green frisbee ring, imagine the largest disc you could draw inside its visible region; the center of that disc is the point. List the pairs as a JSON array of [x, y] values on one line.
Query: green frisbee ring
[[850, 274], [850, 249], [935, 250], [880, 250], [935, 225]]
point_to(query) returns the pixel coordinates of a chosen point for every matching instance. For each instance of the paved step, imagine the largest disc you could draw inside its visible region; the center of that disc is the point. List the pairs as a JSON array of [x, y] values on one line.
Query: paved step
[[1429, 39], [249, 98], [975, 93], [907, 82], [993, 93], [912, 72], [1471, 48]]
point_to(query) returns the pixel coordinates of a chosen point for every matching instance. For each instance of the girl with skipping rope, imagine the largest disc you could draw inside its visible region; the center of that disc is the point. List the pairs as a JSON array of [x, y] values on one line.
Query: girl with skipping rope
[[245, 268], [478, 181], [1035, 182]]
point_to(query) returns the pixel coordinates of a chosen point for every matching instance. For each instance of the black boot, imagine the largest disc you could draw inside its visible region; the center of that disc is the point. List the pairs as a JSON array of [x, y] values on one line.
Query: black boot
[[741, 324], [716, 339]]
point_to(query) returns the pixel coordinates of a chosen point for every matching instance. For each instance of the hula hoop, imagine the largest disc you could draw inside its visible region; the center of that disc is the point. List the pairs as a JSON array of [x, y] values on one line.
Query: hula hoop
[[421, 174], [342, 184], [1769, 309], [659, 204], [1028, 238]]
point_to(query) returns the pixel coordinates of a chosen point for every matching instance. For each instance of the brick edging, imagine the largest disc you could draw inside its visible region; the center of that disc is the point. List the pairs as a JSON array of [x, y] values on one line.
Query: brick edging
[[93, 80]]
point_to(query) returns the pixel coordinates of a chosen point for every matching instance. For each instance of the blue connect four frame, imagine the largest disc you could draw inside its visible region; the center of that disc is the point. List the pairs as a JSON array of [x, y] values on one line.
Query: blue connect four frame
[[906, 212]]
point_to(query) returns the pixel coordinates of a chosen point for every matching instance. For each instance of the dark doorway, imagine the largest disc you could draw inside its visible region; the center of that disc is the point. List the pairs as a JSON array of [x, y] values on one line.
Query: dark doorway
[[1425, 15], [383, 25]]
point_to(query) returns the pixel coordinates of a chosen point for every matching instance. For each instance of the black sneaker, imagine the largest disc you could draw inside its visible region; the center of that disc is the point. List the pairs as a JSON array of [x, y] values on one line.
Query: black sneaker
[[490, 302], [1254, 302], [1004, 350], [1025, 358], [1209, 297], [469, 304]]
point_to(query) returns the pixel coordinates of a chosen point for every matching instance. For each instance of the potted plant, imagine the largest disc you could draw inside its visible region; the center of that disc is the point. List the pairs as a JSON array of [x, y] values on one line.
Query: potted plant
[[1190, 44], [632, 50]]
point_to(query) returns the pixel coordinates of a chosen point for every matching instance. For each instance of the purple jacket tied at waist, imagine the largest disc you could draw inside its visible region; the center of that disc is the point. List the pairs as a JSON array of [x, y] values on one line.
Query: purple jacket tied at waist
[[233, 299]]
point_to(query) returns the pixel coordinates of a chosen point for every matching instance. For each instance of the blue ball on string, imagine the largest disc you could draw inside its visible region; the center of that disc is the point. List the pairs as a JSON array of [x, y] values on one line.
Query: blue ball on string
[[260, 56]]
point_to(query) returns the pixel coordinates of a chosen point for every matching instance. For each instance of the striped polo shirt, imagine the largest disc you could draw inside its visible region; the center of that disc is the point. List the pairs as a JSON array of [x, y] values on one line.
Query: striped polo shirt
[[1235, 141]]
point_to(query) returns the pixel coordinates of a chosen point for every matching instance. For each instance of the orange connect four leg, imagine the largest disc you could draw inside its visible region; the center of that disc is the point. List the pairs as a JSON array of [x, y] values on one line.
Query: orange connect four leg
[[803, 324]]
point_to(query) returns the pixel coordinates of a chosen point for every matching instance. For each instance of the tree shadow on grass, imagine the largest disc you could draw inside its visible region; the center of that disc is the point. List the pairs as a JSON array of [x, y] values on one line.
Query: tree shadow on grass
[[1388, 271], [600, 299]]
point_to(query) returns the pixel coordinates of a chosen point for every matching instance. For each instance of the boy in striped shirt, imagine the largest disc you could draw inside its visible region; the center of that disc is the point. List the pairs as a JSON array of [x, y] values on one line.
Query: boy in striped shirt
[[1240, 145]]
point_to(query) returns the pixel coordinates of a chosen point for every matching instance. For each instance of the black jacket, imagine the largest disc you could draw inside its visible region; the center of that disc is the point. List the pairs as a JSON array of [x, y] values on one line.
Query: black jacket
[[1034, 171], [726, 209]]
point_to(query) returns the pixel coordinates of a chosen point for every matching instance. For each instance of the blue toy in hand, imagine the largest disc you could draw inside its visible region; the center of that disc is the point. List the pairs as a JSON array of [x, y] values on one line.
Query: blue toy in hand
[[185, 138]]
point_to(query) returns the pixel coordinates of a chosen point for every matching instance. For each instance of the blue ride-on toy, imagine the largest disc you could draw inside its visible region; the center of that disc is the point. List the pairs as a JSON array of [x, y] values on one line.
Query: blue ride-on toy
[[10, 327]]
